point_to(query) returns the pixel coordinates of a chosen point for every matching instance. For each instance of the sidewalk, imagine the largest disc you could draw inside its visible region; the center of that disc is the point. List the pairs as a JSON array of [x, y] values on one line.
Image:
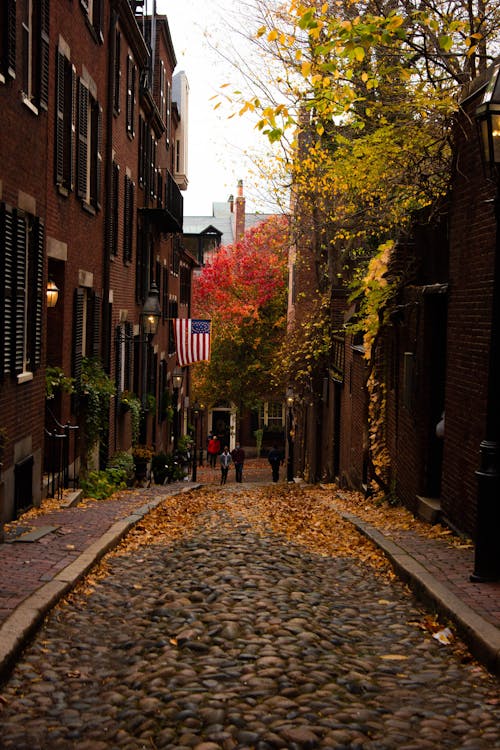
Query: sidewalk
[[42, 558]]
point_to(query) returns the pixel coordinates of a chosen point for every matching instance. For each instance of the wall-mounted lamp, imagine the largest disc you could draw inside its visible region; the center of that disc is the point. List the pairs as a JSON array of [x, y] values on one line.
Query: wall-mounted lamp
[[488, 117], [151, 311], [177, 377], [52, 293]]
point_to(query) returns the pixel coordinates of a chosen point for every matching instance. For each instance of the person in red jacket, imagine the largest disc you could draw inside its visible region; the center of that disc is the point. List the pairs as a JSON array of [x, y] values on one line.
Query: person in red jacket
[[213, 450]]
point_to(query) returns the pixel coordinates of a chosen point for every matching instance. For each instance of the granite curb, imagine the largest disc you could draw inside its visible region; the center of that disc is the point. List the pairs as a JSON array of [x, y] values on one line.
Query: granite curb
[[481, 637], [22, 624]]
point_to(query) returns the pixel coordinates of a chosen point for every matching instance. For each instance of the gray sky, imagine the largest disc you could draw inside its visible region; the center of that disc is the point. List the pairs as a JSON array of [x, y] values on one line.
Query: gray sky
[[217, 145]]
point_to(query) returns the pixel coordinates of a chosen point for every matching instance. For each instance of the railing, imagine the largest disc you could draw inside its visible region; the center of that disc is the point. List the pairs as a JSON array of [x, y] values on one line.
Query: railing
[[61, 455]]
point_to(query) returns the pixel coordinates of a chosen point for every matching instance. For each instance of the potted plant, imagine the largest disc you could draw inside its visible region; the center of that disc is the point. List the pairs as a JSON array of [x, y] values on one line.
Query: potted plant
[[142, 455]]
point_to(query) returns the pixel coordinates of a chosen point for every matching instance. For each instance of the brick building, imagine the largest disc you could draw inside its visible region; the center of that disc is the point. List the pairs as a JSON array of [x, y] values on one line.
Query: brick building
[[92, 159]]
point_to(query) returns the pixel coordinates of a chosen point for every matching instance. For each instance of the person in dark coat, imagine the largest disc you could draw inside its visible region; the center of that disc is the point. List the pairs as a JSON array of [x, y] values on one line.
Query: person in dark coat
[[275, 458], [225, 463], [238, 455]]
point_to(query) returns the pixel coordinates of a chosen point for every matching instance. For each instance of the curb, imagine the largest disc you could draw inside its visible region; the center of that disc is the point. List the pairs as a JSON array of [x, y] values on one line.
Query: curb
[[481, 637], [22, 624]]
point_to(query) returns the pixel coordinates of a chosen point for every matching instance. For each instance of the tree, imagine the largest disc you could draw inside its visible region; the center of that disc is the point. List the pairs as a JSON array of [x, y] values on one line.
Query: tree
[[243, 291]]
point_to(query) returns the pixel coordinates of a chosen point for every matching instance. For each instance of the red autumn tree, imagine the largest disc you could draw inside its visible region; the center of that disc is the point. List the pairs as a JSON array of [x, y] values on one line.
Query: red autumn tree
[[243, 291]]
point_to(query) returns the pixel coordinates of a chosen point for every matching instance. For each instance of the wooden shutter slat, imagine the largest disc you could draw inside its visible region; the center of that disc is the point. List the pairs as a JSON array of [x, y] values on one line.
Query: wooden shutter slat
[[20, 293], [7, 287], [38, 288], [82, 143], [96, 325], [11, 38], [77, 353], [44, 55], [60, 101]]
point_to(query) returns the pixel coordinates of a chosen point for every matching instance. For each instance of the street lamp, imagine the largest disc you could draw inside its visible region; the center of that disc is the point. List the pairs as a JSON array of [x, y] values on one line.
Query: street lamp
[[290, 435], [487, 546], [151, 311], [196, 414], [177, 377]]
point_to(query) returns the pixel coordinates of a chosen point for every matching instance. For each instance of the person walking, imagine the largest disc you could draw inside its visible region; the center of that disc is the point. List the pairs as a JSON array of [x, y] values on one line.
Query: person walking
[[213, 450], [275, 458], [238, 456], [225, 463]]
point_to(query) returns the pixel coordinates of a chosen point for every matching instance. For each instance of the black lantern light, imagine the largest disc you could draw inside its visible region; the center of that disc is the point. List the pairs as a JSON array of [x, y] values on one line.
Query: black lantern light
[[488, 117], [151, 311]]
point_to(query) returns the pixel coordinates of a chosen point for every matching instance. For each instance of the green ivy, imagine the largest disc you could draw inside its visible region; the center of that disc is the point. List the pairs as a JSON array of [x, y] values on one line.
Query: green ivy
[[56, 380], [95, 389], [103, 484]]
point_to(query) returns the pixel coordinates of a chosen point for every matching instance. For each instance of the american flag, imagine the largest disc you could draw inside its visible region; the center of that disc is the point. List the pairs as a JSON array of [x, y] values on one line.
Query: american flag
[[192, 338]]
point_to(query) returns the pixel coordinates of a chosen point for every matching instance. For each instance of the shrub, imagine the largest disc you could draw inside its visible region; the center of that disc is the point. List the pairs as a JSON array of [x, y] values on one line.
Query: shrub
[[124, 461], [102, 484]]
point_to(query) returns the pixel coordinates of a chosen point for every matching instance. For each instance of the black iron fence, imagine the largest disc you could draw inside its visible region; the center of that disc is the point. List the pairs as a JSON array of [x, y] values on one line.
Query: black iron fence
[[62, 457]]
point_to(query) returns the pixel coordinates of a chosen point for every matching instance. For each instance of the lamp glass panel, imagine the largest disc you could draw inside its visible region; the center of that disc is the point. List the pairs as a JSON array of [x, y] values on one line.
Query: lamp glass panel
[[495, 137]]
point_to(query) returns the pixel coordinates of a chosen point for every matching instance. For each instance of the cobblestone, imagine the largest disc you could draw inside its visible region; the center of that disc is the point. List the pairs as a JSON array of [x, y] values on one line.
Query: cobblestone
[[231, 639]]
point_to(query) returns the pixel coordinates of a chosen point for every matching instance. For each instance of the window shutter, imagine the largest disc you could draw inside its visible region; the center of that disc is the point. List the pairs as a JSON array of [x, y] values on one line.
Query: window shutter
[[44, 54], [118, 72], [129, 356], [118, 361], [77, 354], [6, 288], [82, 144], [130, 95], [128, 219], [20, 293], [72, 129], [38, 256], [11, 38], [97, 18], [60, 100], [98, 158], [95, 343]]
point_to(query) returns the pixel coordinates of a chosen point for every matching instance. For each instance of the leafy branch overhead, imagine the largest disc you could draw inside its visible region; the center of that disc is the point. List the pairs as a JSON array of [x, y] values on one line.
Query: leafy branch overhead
[[243, 290]]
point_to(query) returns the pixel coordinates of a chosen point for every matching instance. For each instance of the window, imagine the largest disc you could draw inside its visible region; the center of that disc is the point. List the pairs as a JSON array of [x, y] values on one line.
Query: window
[[185, 284], [168, 112], [7, 39], [162, 92], [35, 51], [112, 236], [65, 130], [117, 73], [124, 357], [89, 158], [131, 86], [87, 308], [128, 219], [94, 12], [271, 415], [21, 291], [173, 312]]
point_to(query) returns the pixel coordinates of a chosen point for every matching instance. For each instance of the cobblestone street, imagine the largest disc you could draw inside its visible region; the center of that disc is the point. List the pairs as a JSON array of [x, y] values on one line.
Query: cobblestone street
[[232, 637]]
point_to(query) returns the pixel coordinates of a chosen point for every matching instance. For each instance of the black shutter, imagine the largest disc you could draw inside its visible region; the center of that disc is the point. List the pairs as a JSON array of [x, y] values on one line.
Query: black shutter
[[7, 241], [20, 293], [97, 19], [77, 353], [118, 356], [82, 145], [71, 102], [44, 54], [129, 356], [117, 72], [60, 102], [95, 333], [11, 38], [98, 157], [38, 256]]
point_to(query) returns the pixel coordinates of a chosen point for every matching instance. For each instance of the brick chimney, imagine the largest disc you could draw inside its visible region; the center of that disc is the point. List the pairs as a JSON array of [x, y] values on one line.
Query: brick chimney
[[239, 221]]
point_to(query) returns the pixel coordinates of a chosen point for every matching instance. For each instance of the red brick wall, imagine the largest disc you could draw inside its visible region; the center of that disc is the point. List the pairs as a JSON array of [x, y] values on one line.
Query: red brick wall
[[472, 246]]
